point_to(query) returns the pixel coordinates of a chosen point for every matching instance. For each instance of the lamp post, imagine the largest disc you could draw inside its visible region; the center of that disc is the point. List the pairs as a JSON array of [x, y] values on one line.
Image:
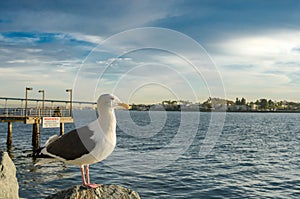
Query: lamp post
[[43, 100], [26, 99], [70, 91]]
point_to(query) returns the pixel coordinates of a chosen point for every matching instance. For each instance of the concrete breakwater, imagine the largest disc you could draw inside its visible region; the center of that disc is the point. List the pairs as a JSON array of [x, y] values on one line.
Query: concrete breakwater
[[10, 187]]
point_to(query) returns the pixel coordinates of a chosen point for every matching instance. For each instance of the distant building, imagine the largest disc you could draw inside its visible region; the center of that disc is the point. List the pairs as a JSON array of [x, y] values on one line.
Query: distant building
[[190, 107], [237, 108], [254, 107], [157, 107]]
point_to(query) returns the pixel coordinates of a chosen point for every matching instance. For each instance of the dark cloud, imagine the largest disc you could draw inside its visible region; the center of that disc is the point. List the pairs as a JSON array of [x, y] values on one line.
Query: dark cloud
[[203, 20], [90, 17], [207, 20]]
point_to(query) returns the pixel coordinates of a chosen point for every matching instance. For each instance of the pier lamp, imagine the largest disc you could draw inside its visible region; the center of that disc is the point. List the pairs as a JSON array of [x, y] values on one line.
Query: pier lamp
[[26, 99], [43, 100], [70, 91]]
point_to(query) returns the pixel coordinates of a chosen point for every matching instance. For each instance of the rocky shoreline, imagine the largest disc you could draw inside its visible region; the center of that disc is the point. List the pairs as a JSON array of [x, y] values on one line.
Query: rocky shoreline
[[8, 180], [102, 192], [10, 187]]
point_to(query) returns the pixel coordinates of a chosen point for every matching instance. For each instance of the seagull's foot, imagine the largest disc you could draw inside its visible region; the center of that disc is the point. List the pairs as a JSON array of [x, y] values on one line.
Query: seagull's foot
[[92, 186]]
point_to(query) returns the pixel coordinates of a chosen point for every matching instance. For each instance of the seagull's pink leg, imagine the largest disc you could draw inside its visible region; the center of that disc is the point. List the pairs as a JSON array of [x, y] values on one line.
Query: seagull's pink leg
[[82, 175], [86, 177], [87, 173]]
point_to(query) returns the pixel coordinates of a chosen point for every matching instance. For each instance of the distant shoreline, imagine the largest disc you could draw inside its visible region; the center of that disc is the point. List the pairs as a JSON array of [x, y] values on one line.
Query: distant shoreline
[[287, 111], [281, 111]]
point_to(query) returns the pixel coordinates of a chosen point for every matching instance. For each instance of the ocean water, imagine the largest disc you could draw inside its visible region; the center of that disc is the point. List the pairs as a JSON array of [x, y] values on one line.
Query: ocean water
[[256, 155]]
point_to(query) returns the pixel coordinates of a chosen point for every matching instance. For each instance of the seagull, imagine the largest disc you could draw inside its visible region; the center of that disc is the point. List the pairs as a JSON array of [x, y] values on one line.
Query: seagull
[[88, 144]]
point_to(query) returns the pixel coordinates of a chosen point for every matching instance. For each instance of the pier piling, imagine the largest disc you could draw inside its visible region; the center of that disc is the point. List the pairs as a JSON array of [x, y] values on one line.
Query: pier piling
[[62, 128], [36, 134], [9, 134]]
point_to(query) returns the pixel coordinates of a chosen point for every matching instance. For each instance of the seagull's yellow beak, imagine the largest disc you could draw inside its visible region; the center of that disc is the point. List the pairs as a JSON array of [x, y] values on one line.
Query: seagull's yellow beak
[[124, 105]]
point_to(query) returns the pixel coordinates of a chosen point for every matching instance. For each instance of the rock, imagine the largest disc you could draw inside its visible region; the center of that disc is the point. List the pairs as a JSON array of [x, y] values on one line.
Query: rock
[[8, 180], [102, 192]]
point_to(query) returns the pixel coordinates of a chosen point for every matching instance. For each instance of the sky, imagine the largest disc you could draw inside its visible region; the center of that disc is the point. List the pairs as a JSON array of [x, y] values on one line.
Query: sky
[[148, 51]]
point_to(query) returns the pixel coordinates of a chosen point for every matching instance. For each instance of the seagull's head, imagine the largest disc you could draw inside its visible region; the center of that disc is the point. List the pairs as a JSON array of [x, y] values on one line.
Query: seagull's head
[[111, 101]]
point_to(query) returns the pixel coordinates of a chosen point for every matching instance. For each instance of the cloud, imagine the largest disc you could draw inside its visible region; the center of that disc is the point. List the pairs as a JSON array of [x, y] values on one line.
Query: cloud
[[18, 38], [43, 48], [93, 39], [33, 50], [41, 60], [253, 85], [19, 61], [296, 49], [269, 50], [259, 65], [237, 67], [279, 42]]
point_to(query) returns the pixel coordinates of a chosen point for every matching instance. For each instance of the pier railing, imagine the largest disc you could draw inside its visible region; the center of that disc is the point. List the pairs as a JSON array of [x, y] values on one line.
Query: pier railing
[[31, 112], [34, 111], [41, 108]]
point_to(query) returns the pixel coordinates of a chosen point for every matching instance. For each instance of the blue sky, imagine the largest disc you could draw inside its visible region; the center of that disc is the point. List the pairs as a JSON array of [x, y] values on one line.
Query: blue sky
[[253, 45]]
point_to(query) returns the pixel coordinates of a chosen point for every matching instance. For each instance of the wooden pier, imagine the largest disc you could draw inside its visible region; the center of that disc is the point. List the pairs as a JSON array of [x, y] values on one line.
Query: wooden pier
[[60, 110]]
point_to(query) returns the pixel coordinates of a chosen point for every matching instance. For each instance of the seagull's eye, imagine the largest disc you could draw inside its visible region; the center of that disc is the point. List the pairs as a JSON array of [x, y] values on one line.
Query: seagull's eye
[[112, 98]]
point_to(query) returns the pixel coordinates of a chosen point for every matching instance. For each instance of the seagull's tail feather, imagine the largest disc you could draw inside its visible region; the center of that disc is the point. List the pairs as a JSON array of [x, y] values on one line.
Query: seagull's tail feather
[[37, 153], [45, 158]]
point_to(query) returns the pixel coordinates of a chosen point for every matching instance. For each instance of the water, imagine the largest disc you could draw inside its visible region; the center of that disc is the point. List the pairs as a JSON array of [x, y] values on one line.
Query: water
[[257, 155]]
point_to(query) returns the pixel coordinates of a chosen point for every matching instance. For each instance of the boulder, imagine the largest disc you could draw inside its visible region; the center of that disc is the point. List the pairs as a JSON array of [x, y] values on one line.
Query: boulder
[[8, 180], [102, 192]]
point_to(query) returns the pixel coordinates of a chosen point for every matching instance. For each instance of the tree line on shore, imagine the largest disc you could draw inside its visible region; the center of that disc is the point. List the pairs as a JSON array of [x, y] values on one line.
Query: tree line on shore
[[217, 104]]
